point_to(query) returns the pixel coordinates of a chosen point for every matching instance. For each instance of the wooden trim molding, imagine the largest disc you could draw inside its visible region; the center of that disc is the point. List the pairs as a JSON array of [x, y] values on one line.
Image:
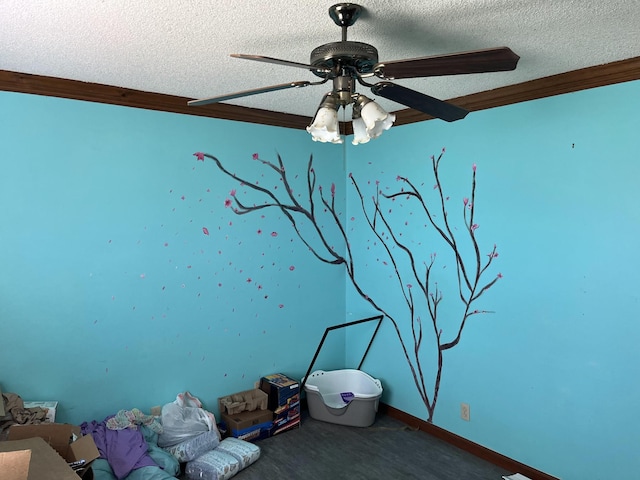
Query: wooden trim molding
[[96, 92], [466, 445], [598, 76], [574, 81]]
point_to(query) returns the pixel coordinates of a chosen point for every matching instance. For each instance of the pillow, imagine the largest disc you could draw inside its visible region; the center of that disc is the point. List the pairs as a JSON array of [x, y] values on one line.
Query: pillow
[[194, 447], [213, 465], [245, 452]]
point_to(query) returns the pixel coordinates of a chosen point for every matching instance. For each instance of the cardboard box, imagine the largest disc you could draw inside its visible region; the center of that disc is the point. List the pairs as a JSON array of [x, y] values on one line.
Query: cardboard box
[[44, 462], [287, 416], [249, 426], [60, 436], [280, 389], [15, 465], [246, 401]]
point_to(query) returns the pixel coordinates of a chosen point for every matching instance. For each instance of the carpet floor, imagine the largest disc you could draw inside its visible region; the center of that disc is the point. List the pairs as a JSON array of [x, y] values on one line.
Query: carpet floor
[[389, 449]]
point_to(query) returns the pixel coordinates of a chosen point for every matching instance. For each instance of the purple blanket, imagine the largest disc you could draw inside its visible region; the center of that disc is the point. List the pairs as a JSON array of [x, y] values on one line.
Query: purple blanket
[[125, 450]]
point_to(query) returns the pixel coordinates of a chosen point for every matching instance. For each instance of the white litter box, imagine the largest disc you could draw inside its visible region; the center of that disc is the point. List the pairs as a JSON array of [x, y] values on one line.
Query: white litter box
[[345, 397]]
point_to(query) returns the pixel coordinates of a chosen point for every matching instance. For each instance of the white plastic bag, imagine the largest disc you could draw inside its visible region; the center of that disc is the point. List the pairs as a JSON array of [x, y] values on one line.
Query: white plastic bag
[[184, 419]]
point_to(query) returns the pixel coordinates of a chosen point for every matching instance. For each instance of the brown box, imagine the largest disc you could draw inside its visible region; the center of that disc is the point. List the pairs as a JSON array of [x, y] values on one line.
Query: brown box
[[282, 390], [59, 437], [249, 426], [15, 465], [246, 401], [45, 461]]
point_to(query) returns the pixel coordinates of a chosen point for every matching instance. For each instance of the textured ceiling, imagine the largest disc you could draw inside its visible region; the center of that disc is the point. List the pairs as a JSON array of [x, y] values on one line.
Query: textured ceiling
[[182, 47]]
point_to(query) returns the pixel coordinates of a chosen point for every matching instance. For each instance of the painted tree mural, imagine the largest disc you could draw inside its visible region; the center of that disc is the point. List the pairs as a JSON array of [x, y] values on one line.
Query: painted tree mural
[[414, 278]]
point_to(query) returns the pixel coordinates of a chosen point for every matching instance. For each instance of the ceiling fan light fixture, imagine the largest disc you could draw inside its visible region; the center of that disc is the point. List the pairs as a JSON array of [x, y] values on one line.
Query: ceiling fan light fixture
[[325, 127], [376, 119], [347, 62], [359, 131]]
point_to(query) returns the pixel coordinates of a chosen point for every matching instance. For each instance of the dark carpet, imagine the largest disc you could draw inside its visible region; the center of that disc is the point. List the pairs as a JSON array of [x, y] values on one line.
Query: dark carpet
[[389, 449]]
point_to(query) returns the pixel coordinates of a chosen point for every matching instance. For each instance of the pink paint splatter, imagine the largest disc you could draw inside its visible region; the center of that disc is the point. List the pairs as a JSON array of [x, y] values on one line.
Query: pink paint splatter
[[205, 230], [274, 234], [199, 156], [233, 192], [281, 306], [292, 268], [227, 203], [255, 156]]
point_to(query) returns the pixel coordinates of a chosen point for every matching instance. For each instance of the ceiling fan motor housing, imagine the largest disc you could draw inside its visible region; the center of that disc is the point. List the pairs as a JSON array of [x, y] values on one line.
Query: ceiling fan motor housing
[[336, 55]]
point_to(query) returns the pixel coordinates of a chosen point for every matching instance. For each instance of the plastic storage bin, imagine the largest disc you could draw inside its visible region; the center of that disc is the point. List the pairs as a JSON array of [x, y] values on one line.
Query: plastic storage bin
[[346, 397]]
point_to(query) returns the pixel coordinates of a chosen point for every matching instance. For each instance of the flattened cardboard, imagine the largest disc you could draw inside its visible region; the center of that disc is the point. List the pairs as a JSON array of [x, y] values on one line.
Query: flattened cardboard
[[15, 465], [45, 461]]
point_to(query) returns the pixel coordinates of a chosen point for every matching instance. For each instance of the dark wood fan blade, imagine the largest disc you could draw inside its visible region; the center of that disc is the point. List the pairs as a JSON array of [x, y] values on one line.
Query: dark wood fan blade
[[419, 101], [477, 61], [246, 93], [277, 61]]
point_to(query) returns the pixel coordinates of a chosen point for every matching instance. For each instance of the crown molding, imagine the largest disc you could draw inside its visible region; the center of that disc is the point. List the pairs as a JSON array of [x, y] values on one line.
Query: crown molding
[[585, 78]]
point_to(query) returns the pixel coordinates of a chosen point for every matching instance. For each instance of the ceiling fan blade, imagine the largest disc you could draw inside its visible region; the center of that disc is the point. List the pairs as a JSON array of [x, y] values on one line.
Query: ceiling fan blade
[[260, 58], [477, 61], [246, 93], [419, 101]]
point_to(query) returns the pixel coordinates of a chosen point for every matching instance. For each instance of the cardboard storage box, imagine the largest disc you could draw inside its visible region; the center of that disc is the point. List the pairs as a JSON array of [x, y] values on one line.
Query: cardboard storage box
[[44, 461], [59, 437], [249, 426], [14, 465], [287, 416], [280, 389], [246, 401]]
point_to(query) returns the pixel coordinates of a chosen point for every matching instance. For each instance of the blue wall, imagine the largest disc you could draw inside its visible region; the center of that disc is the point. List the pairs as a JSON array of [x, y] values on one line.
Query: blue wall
[[551, 375], [112, 295]]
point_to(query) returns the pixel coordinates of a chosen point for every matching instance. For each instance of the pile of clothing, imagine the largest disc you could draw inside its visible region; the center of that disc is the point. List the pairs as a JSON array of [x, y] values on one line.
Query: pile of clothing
[[13, 412], [135, 446]]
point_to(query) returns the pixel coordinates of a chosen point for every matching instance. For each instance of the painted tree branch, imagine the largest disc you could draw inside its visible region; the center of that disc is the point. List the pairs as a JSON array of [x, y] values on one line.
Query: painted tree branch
[[469, 272]]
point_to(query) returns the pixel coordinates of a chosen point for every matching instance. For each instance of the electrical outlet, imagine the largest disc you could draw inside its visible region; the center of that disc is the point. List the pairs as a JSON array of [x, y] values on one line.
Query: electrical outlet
[[465, 412]]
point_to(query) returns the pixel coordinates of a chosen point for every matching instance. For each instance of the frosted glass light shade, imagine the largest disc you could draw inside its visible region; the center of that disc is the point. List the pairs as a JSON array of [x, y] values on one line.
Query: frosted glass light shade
[[376, 119], [359, 131], [324, 127]]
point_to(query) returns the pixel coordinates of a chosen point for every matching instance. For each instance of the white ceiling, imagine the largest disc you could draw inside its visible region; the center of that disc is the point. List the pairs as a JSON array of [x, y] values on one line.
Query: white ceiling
[[182, 47]]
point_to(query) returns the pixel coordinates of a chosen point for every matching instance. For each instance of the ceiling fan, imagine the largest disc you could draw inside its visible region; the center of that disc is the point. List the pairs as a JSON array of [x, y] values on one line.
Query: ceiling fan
[[348, 63]]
